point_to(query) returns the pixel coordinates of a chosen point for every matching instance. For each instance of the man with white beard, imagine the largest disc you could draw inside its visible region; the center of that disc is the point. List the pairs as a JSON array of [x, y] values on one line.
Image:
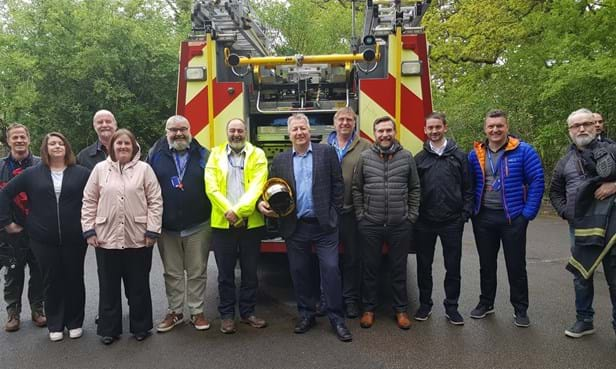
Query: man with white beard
[[179, 161], [234, 178], [569, 175]]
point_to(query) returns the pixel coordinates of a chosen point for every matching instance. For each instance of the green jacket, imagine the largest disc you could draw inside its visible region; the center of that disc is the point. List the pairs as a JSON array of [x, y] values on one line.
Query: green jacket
[[255, 176], [349, 161]]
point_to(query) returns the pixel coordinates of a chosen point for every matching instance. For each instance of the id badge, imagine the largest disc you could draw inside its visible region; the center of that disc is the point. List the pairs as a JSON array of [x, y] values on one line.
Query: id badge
[[496, 185], [175, 182]]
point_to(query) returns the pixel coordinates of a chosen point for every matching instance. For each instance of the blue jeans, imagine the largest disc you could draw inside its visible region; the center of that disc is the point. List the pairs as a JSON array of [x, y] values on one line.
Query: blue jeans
[[585, 289]]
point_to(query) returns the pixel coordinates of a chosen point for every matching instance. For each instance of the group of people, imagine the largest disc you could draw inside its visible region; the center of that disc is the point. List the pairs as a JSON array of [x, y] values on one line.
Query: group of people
[[367, 198]]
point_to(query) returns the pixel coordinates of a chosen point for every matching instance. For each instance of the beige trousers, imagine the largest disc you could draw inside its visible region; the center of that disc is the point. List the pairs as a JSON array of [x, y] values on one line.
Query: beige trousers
[[185, 268]]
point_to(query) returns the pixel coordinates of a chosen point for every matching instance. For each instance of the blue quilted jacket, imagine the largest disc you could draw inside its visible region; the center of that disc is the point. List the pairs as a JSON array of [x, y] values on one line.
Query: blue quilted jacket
[[521, 174]]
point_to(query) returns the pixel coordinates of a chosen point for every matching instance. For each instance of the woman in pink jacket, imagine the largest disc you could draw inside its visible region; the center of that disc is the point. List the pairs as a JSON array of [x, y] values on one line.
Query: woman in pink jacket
[[121, 218]]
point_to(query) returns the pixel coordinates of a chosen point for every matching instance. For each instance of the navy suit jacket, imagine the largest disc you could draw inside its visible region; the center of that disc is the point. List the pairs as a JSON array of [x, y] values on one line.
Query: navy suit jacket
[[327, 187]]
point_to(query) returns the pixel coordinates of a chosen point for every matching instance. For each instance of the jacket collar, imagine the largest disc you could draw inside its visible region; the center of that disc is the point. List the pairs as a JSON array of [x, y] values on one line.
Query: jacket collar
[[512, 144], [450, 147]]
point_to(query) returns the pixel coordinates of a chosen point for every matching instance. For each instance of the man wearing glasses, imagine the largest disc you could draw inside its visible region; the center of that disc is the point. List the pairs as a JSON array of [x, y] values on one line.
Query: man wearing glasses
[[508, 187], [234, 178], [178, 161], [569, 176]]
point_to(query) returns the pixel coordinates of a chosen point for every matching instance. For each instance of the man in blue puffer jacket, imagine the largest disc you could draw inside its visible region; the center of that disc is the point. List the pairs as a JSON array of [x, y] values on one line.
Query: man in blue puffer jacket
[[509, 186]]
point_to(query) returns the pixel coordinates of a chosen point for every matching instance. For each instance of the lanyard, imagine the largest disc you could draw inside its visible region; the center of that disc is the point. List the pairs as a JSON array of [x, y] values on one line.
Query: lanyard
[[232, 161], [181, 169], [494, 172]]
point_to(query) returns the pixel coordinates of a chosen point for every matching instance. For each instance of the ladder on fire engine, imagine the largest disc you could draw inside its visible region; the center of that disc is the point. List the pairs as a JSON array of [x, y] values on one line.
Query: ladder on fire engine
[[383, 16], [232, 22]]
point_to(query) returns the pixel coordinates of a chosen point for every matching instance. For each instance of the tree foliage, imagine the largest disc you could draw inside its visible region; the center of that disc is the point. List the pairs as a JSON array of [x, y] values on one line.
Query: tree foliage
[[308, 26], [539, 60], [61, 60], [65, 59]]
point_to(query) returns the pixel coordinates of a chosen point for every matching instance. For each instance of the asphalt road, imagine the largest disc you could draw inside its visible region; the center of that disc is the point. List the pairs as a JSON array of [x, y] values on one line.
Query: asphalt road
[[493, 342]]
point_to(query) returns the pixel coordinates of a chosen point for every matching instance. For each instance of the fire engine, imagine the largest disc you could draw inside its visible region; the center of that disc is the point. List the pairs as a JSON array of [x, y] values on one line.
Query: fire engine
[[227, 70]]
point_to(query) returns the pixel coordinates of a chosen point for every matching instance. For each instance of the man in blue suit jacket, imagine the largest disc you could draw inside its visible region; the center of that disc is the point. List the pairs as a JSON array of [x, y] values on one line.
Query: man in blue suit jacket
[[314, 175]]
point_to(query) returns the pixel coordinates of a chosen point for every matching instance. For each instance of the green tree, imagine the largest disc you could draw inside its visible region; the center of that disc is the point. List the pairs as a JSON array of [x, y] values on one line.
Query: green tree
[[307, 26], [69, 58], [539, 60]]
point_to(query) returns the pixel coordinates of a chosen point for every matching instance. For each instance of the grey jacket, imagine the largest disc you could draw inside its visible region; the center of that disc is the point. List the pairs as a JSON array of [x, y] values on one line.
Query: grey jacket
[[386, 186], [569, 174]]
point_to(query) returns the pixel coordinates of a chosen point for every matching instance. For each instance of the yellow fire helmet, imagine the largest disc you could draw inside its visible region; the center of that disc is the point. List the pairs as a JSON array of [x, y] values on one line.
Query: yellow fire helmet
[[278, 194]]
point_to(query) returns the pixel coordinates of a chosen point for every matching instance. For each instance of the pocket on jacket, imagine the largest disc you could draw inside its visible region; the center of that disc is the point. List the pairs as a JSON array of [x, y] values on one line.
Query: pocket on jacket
[[142, 219], [100, 220]]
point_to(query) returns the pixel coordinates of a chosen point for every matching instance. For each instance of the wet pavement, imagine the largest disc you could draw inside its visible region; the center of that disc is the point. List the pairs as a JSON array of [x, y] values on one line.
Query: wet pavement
[[493, 342]]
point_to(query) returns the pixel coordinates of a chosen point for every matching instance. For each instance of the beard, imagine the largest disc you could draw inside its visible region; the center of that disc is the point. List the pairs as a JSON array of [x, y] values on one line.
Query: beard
[[582, 141], [237, 145], [181, 144]]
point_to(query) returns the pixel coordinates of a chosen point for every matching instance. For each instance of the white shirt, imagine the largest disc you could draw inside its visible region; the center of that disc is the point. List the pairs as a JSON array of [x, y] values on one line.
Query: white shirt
[[439, 150], [56, 177]]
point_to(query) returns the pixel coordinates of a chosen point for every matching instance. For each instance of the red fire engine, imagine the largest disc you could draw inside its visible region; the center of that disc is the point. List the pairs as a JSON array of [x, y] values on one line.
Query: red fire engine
[[226, 70]]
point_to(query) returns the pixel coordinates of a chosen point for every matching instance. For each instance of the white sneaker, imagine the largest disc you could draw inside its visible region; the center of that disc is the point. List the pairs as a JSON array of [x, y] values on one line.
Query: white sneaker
[[75, 333], [56, 336]]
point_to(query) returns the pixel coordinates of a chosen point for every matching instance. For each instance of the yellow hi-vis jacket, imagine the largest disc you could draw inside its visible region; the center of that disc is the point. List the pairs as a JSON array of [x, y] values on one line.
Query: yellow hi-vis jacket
[[255, 176]]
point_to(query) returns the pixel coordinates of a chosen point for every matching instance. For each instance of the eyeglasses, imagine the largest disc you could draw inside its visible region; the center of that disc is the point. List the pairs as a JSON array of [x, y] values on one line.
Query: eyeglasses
[[577, 126], [178, 130]]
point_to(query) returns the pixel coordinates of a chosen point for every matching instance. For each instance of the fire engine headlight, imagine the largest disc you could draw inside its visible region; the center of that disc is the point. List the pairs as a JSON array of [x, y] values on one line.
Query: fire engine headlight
[[411, 68], [195, 74]]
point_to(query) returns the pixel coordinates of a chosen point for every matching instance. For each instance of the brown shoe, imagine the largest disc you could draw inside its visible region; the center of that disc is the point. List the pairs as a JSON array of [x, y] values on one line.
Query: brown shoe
[[367, 319], [254, 322], [171, 320], [227, 326], [403, 320], [200, 322], [39, 319], [12, 325]]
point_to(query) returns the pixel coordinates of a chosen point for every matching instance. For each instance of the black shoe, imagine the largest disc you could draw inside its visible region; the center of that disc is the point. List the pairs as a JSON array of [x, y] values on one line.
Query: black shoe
[[481, 311], [304, 325], [579, 329], [454, 317], [343, 333], [521, 320], [423, 313], [352, 310], [107, 340], [142, 336]]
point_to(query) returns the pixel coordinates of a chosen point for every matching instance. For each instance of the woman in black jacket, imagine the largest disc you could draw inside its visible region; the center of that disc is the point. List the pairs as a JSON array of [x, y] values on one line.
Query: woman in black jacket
[[54, 189]]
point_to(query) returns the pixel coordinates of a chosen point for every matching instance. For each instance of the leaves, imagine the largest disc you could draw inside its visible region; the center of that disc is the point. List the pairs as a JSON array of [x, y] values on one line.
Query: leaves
[[538, 60], [70, 58]]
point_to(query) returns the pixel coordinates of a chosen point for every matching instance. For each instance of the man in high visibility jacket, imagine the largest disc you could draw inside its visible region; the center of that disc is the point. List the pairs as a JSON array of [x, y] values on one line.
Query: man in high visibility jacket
[[234, 178]]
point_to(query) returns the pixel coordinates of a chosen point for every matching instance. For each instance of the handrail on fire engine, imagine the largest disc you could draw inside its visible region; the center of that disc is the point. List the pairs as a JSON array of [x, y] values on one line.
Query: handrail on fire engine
[[367, 55]]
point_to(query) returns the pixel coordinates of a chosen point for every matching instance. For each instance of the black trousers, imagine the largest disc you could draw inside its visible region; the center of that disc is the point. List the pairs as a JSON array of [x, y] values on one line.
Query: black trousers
[[14, 278], [303, 273], [131, 266], [65, 293], [491, 227], [351, 259], [229, 245], [397, 237], [450, 234]]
